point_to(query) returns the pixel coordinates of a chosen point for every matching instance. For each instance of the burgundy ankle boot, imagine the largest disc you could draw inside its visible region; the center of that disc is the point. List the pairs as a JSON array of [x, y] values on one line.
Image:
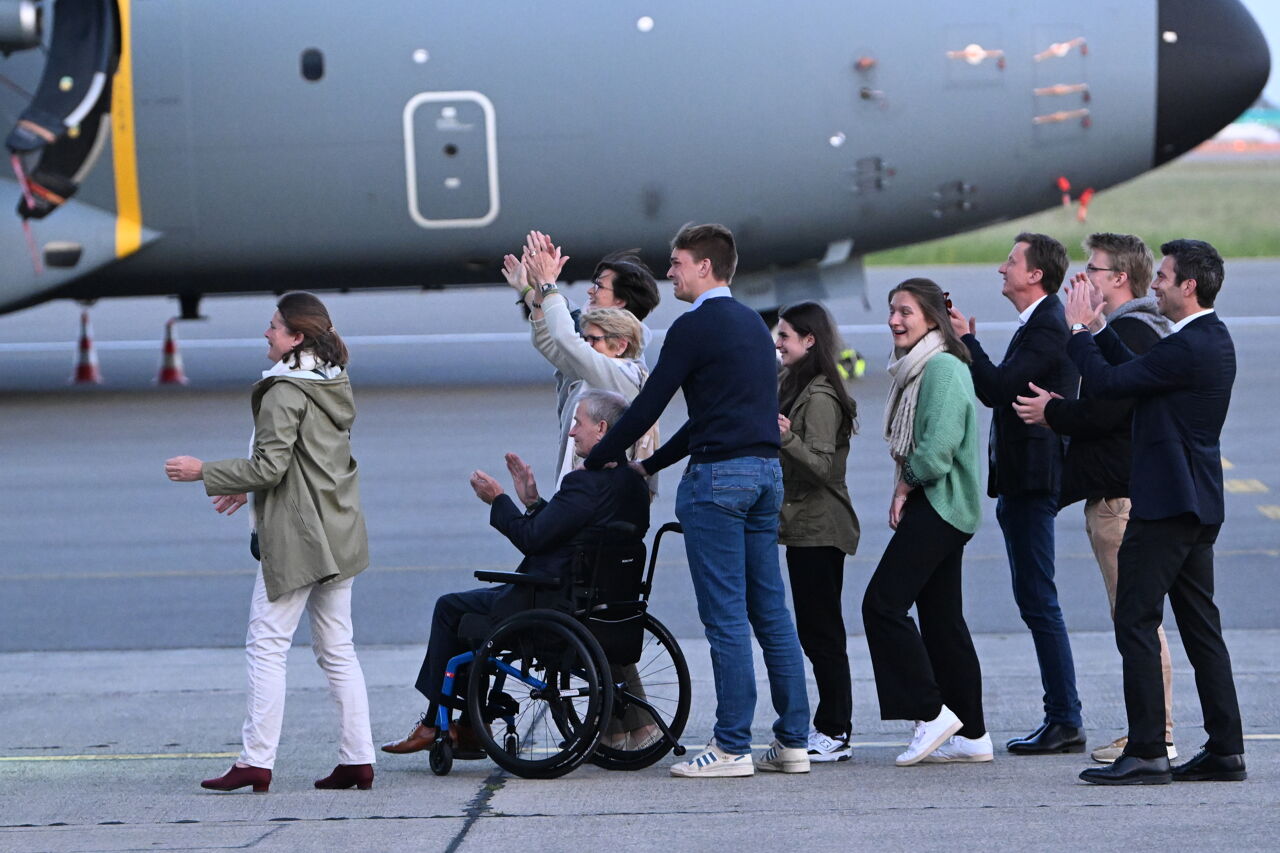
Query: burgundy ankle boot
[[348, 776], [240, 777]]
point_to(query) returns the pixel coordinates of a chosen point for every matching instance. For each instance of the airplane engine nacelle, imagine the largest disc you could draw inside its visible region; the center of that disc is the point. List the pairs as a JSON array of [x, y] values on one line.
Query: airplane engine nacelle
[[21, 25]]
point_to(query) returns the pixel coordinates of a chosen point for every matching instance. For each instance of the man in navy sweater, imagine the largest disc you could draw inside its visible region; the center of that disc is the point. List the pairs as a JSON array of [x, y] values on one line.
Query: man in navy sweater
[[721, 355]]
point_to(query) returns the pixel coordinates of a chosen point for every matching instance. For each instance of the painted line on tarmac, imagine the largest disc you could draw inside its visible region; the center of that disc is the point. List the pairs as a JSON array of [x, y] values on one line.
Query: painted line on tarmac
[[460, 338], [122, 756], [672, 564]]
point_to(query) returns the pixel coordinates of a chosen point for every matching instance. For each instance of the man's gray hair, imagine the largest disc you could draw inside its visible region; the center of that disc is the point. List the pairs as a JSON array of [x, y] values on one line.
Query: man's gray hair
[[605, 406]]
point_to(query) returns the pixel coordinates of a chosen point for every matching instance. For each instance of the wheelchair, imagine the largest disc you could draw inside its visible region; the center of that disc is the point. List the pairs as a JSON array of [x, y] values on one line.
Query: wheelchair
[[586, 673]]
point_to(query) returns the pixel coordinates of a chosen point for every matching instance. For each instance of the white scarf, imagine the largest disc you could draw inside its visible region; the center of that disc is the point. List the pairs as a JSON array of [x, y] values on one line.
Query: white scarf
[[900, 411]]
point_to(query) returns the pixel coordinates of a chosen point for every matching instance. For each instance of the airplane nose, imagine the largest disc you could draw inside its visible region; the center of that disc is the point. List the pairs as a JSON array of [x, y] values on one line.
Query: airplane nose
[[1213, 63]]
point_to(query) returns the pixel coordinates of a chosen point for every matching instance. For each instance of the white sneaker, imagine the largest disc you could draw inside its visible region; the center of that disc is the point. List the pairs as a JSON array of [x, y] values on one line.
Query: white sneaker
[[929, 735], [826, 748], [714, 761], [784, 759], [961, 750]]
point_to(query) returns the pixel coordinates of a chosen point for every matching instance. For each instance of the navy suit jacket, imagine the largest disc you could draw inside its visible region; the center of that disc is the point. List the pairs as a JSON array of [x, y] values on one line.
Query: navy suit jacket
[[576, 516], [1182, 387], [1025, 459]]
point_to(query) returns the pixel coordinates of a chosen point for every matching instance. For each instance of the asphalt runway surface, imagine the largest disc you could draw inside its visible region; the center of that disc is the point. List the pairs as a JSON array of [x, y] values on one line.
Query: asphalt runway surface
[[99, 551], [126, 596]]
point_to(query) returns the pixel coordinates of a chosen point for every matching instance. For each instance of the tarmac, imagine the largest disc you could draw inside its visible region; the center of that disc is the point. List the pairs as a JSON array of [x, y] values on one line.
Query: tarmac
[[162, 720]]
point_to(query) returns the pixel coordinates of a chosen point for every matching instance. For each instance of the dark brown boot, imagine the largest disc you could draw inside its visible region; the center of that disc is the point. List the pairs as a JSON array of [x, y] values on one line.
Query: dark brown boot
[[348, 776]]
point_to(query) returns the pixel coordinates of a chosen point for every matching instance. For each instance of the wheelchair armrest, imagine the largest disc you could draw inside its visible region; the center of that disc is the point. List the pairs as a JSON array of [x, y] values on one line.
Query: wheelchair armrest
[[519, 578]]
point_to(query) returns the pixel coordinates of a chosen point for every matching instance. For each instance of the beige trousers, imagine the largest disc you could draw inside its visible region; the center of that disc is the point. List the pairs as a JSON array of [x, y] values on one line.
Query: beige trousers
[[1105, 520], [271, 627]]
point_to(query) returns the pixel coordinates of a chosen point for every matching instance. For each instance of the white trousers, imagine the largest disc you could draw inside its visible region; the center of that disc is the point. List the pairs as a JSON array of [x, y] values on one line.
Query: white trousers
[[271, 628]]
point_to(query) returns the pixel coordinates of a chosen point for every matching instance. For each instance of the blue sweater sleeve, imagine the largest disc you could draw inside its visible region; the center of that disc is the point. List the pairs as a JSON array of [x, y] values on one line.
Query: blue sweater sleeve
[[672, 367]]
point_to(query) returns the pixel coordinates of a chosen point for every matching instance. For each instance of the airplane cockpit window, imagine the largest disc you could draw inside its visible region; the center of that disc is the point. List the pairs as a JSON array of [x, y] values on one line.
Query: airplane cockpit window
[[61, 131]]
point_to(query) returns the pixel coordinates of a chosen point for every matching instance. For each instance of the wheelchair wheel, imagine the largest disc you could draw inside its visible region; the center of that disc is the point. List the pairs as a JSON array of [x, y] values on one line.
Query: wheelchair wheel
[[553, 669], [630, 738], [441, 757]]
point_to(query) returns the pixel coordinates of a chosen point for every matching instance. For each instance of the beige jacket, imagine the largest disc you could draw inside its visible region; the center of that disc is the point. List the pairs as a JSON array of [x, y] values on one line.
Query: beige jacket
[[306, 488], [816, 510]]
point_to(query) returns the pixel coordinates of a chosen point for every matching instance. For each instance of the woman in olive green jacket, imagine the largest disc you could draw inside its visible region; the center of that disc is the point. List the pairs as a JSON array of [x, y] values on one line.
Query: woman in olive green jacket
[[817, 521], [310, 534]]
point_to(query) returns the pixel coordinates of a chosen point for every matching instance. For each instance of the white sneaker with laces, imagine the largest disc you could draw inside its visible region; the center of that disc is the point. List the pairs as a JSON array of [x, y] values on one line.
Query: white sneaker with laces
[[929, 735], [784, 759], [714, 762], [826, 748], [957, 749]]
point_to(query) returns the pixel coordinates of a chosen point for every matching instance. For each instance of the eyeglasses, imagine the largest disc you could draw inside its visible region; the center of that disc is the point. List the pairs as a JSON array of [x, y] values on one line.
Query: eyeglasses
[[595, 285], [1092, 268], [595, 339], [946, 297]]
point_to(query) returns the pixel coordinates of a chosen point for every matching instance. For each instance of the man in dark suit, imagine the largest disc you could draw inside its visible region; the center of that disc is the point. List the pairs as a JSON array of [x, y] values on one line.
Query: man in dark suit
[[1025, 472], [548, 534], [1183, 387], [1096, 468]]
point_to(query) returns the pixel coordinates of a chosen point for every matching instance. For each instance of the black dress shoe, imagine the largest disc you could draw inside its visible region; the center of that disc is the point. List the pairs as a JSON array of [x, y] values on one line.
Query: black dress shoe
[[1011, 741], [1131, 770], [1207, 767], [1054, 737]]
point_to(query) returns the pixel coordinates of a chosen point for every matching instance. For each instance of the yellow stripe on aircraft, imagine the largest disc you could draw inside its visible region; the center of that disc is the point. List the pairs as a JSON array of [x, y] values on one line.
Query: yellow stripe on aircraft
[[123, 146]]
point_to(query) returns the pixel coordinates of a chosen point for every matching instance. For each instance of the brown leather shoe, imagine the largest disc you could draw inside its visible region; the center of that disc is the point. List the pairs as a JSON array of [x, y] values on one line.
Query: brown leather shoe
[[422, 737], [466, 746]]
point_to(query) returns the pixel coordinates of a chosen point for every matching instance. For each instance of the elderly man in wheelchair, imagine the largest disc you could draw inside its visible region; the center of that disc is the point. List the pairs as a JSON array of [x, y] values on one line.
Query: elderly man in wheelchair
[[561, 662]]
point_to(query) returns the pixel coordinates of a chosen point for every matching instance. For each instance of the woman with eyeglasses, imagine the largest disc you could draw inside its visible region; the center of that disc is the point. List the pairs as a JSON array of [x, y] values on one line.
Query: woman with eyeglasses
[[928, 674], [817, 523], [601, 347]]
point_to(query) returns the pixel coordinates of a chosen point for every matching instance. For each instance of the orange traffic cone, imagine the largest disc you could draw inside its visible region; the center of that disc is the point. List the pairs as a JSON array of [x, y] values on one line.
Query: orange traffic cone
[[171, 372], [87, 372]]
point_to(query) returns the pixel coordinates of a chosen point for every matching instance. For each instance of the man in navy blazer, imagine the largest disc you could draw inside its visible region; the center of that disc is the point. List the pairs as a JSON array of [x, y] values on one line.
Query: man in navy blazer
[[1025, 472], [547, 533], [1182, 387]]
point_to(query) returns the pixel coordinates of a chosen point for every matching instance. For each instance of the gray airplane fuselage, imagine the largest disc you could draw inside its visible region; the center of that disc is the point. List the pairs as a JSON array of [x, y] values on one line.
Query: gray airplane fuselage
[[437, 134]]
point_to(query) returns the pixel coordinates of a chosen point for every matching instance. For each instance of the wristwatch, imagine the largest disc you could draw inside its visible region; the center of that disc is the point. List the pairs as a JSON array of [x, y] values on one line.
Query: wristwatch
[[544, 289], [1079, 327]]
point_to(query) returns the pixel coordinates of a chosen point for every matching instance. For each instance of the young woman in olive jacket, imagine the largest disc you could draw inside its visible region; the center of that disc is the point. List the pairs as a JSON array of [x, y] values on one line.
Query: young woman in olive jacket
[[311, 537], [817, 522]]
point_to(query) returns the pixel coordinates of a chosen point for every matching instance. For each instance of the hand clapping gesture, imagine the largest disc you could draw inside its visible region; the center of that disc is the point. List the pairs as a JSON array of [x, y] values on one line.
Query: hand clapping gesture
[[542, 259], [522, 479], [1084, 303]]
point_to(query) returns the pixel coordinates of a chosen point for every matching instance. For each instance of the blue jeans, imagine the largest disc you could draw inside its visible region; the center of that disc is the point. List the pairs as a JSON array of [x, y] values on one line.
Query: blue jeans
[[1027, 524], [729, 511]]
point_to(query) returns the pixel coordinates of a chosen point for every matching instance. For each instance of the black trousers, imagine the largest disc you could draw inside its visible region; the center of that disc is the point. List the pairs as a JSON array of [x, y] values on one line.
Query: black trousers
[[918, 671], [817, 577], [1174, 557], [444, 643]]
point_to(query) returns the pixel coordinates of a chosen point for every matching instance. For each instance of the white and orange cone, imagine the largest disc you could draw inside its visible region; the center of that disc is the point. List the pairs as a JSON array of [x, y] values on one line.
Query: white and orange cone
[[171, 372], [86, 372]]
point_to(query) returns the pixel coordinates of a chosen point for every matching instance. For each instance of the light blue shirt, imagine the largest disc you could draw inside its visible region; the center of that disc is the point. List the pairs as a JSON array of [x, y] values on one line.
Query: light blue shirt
[[713, 293]]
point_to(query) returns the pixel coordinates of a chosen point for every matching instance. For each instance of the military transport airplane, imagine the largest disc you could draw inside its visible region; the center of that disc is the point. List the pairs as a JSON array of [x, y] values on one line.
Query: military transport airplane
[[182, 147]]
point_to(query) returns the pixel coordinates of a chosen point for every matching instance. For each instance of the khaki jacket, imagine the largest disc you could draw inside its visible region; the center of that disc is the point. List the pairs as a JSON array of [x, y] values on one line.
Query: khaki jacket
[[306, 488], [816, 510]]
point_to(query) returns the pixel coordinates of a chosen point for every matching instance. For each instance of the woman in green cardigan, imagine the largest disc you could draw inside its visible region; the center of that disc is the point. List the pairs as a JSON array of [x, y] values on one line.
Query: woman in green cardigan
[[930, 675], [817, 522]]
